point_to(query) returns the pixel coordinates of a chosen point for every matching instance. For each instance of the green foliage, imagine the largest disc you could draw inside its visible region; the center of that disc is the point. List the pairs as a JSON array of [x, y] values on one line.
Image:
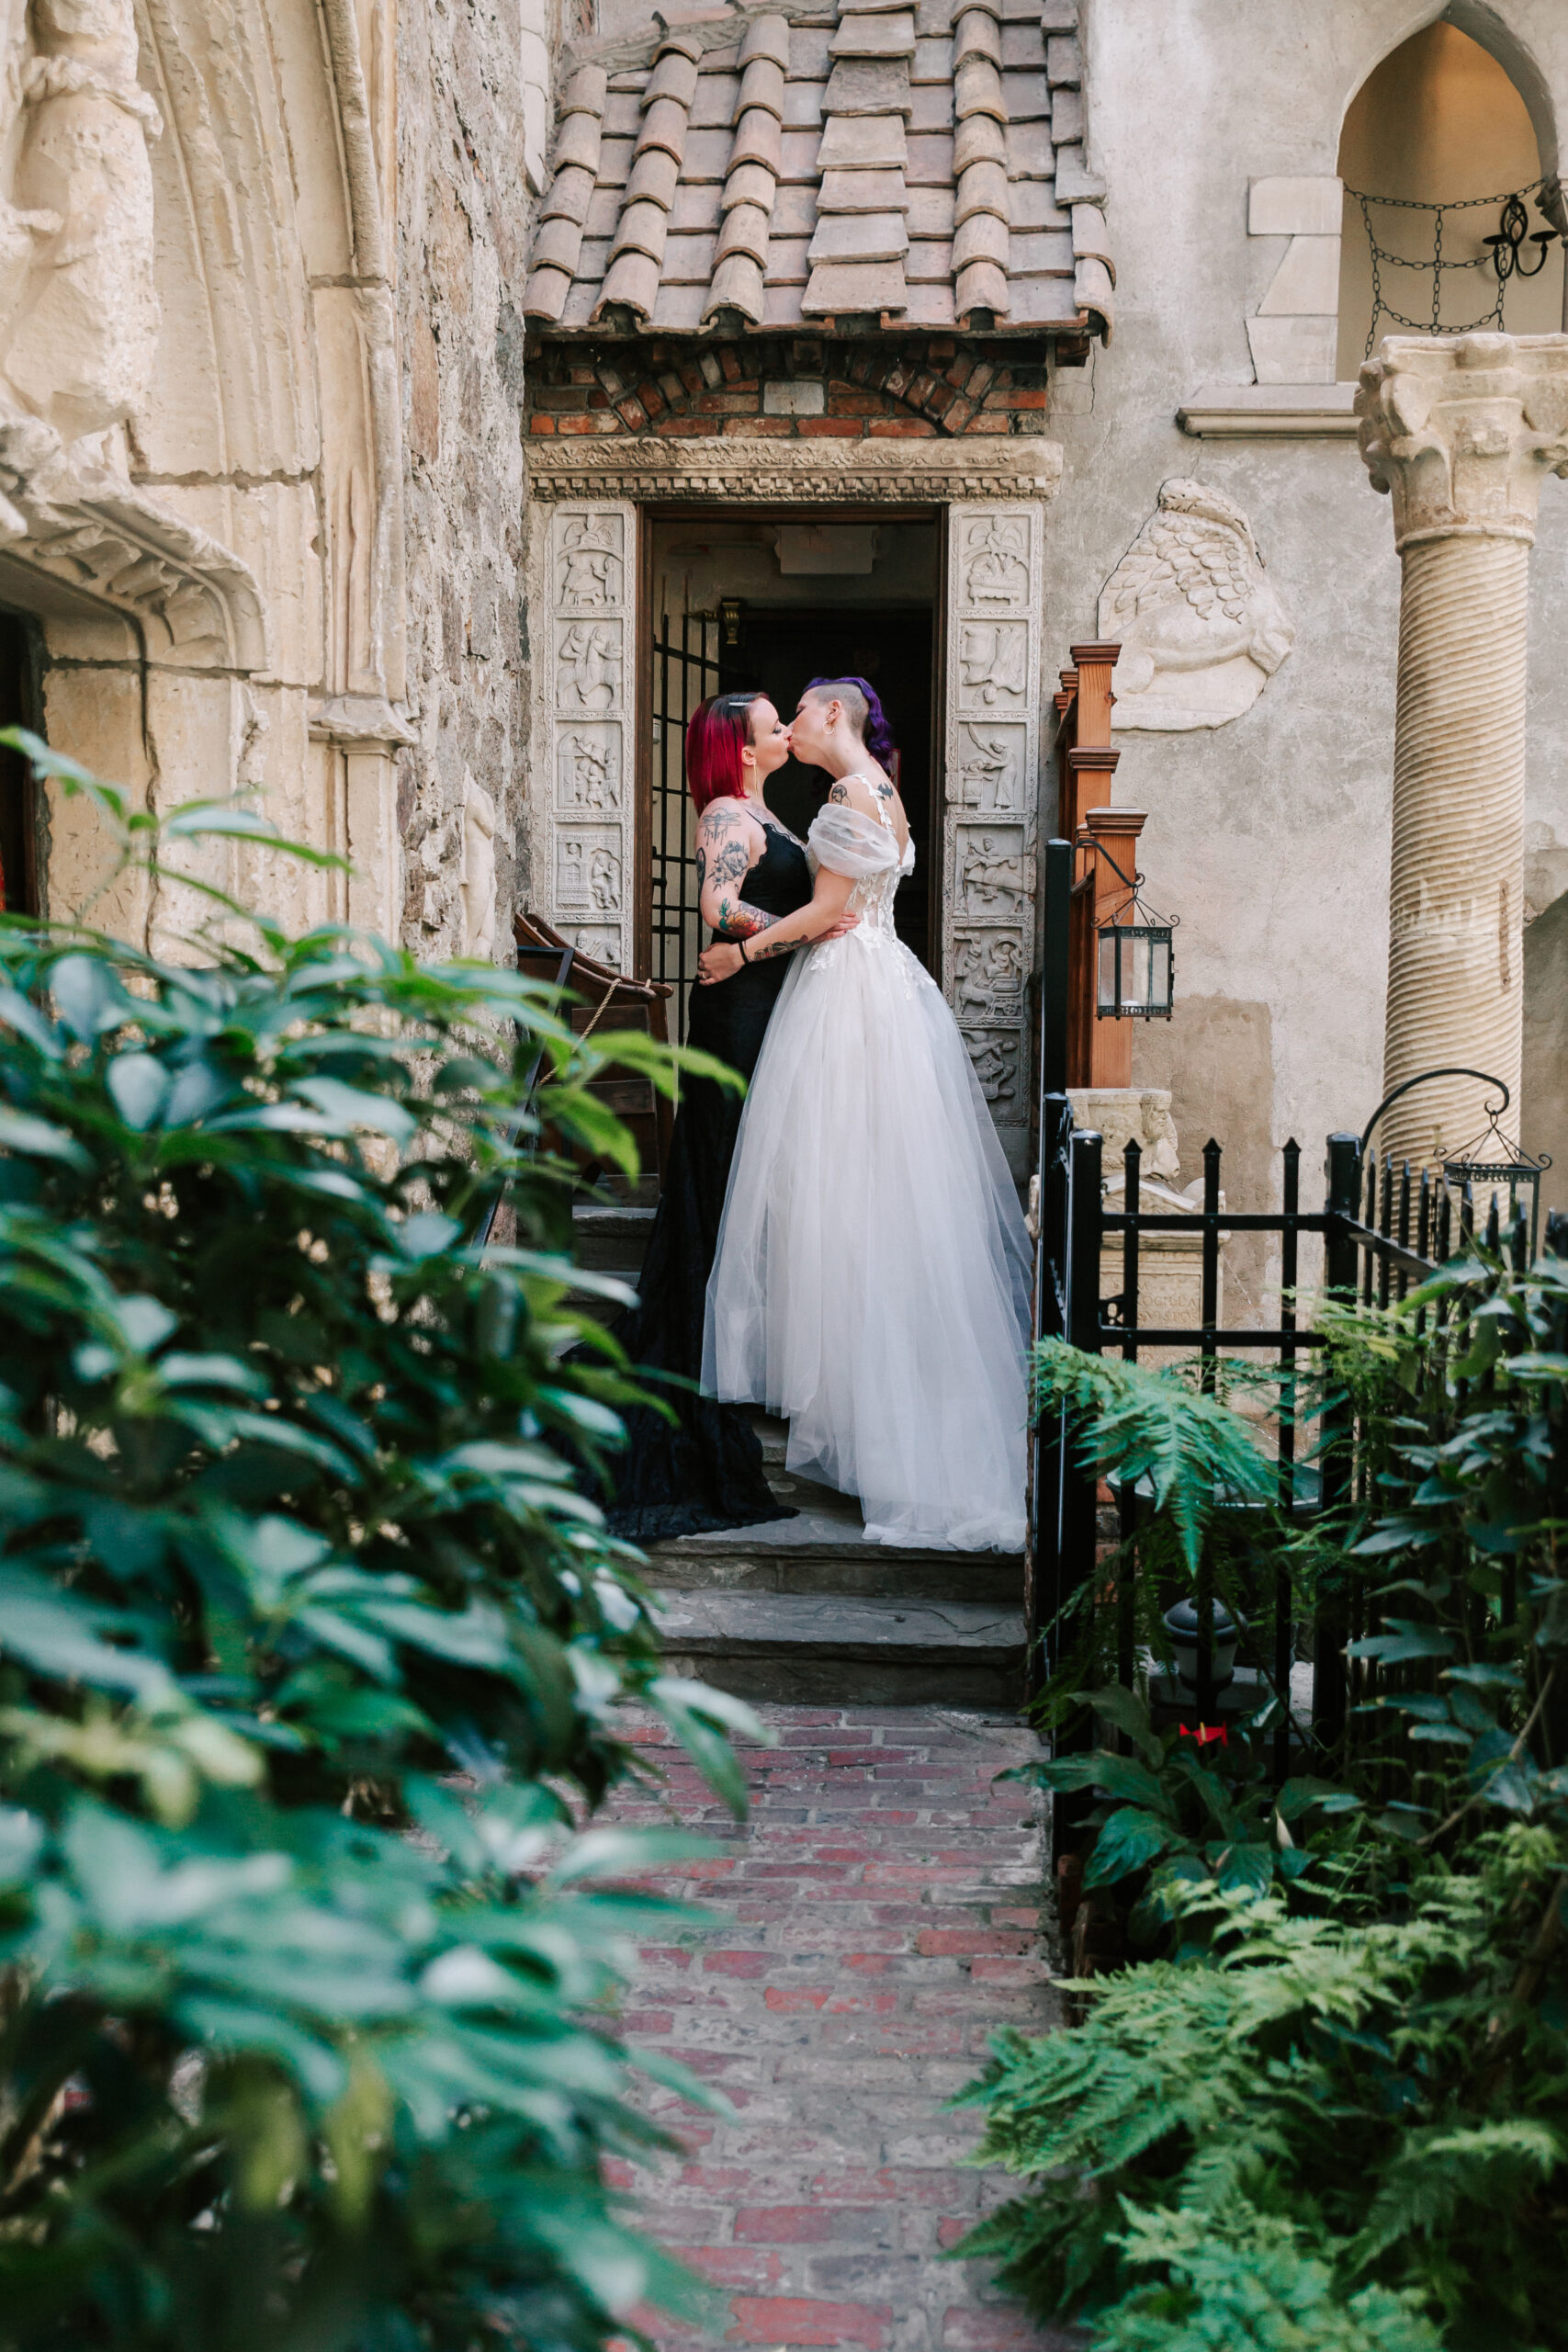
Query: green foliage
[[1175, 1815], [306, 1646], [1324, 2118], [1350, 2129], [1197, 1455]]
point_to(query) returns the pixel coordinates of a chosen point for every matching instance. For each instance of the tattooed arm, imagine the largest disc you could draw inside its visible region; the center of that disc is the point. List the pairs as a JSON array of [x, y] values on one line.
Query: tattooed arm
[[727, 851]]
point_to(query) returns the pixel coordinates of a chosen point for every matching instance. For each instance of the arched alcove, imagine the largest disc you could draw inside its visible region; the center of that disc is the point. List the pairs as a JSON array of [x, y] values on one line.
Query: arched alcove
[[1439, 121]]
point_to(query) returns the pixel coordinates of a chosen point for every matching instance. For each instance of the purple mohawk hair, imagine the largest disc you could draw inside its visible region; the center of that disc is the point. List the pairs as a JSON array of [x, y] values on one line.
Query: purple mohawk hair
[[879, 734]]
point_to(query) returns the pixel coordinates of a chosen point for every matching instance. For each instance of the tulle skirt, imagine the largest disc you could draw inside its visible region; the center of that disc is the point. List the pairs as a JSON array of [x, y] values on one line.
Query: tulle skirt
[[872, 1279]]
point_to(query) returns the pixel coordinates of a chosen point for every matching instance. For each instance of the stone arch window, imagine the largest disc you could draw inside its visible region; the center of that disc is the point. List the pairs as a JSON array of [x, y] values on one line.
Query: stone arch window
[[1446, 117]]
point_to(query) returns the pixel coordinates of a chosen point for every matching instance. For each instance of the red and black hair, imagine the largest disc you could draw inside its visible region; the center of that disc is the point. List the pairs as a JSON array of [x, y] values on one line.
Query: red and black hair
[[717, 733]]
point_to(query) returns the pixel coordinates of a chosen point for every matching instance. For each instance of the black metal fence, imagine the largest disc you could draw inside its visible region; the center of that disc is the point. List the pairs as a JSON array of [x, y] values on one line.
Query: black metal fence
[[1378, 1231]]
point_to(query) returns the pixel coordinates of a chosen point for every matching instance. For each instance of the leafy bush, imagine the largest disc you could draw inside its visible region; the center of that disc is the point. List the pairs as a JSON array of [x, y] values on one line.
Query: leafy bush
[[307, 1644], [1350, 2129], [1326, 2116], [1174, 1816]]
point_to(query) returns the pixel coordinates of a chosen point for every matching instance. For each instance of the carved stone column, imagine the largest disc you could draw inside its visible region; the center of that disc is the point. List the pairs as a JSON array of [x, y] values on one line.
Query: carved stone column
[[995, 594], [1461, 432]]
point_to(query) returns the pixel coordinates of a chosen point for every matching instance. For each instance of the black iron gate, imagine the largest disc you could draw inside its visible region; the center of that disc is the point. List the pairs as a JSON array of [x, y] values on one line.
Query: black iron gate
[[684, 674], [1370, 1214]]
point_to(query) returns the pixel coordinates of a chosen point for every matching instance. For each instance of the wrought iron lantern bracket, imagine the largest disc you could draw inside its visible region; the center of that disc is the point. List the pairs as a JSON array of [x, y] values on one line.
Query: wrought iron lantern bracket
[[1131, 953]]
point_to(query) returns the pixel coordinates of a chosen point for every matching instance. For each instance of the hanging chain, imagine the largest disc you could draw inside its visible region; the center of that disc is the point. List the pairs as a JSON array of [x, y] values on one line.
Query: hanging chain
[[1502, 254]]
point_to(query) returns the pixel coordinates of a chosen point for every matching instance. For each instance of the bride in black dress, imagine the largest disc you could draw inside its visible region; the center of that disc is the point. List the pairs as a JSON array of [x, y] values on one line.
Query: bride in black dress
[[703, 1470]]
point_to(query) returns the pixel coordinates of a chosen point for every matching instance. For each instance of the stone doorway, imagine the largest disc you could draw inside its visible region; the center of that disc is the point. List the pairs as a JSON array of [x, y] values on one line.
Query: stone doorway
[[773, 600]]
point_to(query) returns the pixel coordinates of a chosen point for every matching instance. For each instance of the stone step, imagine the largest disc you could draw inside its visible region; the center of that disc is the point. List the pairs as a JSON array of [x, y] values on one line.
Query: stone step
[[824, 1549], [832, 1649], [611, 1240]]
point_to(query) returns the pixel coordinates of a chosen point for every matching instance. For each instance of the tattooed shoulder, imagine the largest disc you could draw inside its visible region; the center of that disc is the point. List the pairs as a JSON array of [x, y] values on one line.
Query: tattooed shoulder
[[838, 791]]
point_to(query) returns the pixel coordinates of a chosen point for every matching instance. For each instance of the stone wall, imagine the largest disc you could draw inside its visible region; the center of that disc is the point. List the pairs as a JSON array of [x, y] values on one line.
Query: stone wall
[[471, 103]]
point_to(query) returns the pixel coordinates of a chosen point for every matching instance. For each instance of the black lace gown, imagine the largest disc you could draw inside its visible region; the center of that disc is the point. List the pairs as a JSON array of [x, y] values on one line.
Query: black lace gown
[[704, 1470]]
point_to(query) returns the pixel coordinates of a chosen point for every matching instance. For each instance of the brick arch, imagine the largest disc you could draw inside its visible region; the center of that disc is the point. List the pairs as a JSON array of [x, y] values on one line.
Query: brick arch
[[872, 393]]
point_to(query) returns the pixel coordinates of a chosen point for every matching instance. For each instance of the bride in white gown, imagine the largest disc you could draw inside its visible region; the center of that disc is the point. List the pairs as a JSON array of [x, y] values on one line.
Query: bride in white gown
[[872, 1278]]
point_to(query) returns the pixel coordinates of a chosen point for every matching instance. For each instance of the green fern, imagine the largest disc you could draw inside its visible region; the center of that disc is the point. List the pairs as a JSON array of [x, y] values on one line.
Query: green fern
[[1396, 2093], [1198, 1455]]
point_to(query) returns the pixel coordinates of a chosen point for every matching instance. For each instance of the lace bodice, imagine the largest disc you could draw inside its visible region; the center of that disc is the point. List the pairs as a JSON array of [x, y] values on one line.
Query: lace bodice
[[845, 842]]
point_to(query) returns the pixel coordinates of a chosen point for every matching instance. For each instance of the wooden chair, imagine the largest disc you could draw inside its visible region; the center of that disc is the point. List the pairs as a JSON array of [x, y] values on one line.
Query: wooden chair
[[608, 999]]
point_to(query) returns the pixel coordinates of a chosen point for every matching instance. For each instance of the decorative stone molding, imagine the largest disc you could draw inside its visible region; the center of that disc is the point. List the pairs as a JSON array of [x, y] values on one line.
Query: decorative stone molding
[[360, 723], [747, 470], [1271, 412], [590, 672], [1461, 430], [996, 558], [1200, 627], [78, 308], [67, 515]]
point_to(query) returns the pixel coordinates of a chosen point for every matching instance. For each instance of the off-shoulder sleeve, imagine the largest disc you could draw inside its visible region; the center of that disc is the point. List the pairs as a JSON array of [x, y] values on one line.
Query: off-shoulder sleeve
[[846, 842]]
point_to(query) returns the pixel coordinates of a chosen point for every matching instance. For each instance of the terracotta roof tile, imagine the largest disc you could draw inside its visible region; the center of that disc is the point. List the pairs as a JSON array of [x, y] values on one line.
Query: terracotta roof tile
[[1041, 253], [808, 58], [802, 104], [869, 141], [688, 261], [1023, 45], [930, 306], [931, 212], [1026, 97], [977, 35], [696, 205], [737, 286], [713, 109], [836, 287], [859, 236], [858, 87], [873, 191], [929, 258], [788, 265], [913, 161], [781, 305], [874, 37], [795, 211], [931, 106], [930, 160]]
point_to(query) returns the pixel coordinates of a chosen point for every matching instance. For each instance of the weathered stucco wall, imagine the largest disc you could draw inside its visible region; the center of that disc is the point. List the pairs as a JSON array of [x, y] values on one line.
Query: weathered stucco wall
[[1268, 836]]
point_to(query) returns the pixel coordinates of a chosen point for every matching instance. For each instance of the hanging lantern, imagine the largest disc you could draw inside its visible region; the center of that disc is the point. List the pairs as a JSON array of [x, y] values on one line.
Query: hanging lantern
[[1494, 1169], [1137, 969]]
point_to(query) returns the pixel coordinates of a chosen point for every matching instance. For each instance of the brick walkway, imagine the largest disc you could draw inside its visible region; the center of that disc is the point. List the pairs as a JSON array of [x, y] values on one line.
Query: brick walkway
[[880, 1919]]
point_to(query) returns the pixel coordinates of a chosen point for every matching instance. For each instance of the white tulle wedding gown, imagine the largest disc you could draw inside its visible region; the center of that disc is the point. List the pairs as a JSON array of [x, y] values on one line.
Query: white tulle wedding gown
[[872, 1277]]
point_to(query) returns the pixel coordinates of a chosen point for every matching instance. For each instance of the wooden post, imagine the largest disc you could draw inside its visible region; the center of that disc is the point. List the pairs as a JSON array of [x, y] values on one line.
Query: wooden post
[[1109, 899]]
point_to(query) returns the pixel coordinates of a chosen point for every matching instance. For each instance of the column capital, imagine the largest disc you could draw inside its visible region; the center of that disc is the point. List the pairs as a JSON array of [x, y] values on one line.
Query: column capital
[[1460, 429]]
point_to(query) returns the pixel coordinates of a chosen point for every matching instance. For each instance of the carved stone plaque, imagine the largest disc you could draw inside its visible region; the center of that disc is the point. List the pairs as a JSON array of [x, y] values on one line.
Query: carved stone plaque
[[588, 694], [995, 592]]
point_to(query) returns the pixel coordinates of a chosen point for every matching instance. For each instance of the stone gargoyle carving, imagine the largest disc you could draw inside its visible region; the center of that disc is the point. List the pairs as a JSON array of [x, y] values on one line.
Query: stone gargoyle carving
[[1199, 627]]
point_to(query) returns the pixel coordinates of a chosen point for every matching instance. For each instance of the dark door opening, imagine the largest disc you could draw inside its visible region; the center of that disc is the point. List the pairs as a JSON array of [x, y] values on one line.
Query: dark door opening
[[18, 793], [782, 650]]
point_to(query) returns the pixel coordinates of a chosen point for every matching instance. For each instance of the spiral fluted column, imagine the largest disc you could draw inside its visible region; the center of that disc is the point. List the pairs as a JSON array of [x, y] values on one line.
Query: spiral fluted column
[[1461, 431]]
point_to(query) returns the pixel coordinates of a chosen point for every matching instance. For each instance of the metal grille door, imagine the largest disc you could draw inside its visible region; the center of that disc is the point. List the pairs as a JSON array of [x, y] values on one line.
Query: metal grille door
[[684, 674]]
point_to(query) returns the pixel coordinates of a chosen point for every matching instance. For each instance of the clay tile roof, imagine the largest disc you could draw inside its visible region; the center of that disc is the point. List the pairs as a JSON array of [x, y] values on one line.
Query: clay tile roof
[[921, 161]]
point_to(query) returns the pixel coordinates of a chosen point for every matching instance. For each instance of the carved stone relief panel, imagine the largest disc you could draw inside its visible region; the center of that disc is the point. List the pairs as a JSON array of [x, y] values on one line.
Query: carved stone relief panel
[[996, 556], [589, 874], [1200, 625]]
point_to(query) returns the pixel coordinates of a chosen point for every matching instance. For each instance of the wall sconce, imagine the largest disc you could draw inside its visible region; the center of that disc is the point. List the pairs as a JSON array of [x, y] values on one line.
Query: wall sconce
[[732, 612]]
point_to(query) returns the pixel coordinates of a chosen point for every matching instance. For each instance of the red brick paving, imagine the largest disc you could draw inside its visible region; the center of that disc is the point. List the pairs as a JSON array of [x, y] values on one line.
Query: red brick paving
[[877, 1919]]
